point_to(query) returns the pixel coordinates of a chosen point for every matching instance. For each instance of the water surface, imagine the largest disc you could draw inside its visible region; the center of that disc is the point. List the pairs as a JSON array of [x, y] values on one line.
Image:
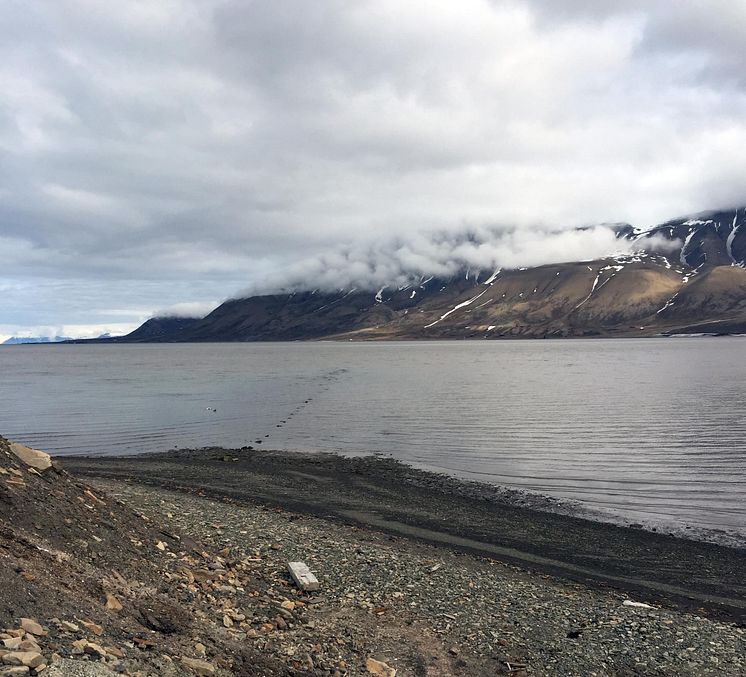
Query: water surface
[[651, 430]]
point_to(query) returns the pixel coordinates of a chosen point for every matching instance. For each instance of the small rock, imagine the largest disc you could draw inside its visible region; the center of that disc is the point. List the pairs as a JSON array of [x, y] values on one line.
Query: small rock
[[32, 659], [112, 602], [92, 627], [32, 627], [376, 667], [95, 649], [67, 626], [79, 646], [32, 457], [15, 670], [199, 667]]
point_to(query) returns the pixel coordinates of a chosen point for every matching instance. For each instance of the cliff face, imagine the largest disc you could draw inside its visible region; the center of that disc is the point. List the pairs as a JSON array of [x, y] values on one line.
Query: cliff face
[[699, 284]]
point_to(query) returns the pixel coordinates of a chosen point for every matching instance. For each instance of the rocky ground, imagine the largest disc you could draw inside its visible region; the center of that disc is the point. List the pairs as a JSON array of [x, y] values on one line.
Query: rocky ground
[[116, 577]]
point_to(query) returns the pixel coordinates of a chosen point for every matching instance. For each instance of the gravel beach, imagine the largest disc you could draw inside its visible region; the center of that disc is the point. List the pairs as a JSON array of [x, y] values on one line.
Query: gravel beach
[[427, 610], [177, 565], [516, 528], [434, 576]]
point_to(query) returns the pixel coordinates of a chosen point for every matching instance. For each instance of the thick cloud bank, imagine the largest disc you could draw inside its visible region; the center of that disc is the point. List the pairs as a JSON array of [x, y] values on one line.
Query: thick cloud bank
[[400, 260]]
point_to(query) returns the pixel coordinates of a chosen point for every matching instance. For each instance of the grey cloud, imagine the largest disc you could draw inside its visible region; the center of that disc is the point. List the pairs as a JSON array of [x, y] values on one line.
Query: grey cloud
[[704, 38], [205, 143]]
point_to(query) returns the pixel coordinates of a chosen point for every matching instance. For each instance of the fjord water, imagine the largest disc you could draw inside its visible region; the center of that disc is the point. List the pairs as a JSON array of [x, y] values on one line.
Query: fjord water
[[648, 430]]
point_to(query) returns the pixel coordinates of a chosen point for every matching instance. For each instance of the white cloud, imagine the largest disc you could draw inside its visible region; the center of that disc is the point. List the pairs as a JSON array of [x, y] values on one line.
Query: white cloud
[[396, 261]]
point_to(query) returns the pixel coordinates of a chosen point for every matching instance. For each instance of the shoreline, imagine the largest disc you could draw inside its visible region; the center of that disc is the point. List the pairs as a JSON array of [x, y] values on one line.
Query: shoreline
[[510, 526], [544, 502]]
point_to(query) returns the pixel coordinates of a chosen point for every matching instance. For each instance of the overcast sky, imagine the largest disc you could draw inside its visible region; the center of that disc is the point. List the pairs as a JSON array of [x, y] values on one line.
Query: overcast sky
[[175, 151]]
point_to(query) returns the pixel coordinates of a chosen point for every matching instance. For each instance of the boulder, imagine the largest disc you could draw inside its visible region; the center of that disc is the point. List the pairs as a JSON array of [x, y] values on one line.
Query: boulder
[[32, 457]]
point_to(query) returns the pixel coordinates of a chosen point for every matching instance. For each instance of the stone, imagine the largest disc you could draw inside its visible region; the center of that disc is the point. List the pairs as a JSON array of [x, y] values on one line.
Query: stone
[[379, 668], [15, 670], [29, 645], [32, 627], [79, 646], [92, 627], [302, 576], [67, 626], [199, 667], [32, 659], [95, 650], [288, 604], [31, 457], [112, 602], [13, 643]]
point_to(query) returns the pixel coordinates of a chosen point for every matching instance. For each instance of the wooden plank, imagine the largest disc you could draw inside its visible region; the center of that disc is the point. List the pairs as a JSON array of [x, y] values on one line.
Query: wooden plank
[[302, 576]]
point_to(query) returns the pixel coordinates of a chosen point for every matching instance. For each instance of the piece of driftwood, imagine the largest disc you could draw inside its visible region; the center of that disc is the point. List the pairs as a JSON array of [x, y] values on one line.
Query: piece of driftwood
[[302, 576]]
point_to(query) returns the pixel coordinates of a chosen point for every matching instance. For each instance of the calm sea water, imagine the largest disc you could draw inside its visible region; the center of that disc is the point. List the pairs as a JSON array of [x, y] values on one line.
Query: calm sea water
[[646, 430]]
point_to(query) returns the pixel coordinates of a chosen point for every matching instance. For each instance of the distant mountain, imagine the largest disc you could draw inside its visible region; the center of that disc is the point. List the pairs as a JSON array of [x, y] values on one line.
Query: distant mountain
[[158, 328], [17, 340], [698, 285]]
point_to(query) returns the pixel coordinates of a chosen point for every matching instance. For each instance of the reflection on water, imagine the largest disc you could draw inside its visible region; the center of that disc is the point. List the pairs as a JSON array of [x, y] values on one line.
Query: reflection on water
[[648, 429]]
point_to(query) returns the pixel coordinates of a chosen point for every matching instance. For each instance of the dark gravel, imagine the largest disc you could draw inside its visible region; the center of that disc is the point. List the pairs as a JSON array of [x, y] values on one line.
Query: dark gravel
[[428, 610], [465, 516]]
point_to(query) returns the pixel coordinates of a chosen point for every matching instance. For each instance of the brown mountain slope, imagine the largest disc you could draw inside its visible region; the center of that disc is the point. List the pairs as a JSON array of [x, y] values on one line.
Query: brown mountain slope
[[700, 285], [622, 296], [638, 295]]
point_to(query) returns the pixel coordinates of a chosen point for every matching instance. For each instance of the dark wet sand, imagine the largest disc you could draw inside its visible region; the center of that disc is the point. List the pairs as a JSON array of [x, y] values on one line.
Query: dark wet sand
[[385, 495]]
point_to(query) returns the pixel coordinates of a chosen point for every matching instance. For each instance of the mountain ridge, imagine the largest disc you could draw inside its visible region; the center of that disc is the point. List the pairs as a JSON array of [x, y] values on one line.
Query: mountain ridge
[[684, 274]]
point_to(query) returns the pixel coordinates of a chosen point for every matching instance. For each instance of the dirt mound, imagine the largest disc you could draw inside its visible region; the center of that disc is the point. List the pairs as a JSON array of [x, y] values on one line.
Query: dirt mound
[[98, 582]]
